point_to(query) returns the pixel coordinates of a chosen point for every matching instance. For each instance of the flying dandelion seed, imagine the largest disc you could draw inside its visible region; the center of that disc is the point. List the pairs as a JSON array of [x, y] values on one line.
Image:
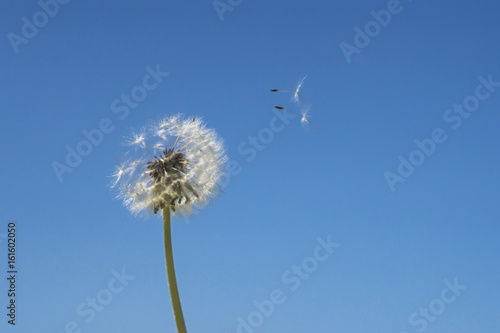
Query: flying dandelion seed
[[304, 114], [296, 95], [178, 166]]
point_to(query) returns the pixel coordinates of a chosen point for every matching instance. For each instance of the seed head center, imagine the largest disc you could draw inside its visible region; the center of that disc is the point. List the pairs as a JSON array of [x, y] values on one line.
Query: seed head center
[[168, 168]]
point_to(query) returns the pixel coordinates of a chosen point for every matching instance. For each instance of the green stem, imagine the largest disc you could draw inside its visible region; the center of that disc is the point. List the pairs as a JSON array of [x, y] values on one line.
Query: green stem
[[172, 282]]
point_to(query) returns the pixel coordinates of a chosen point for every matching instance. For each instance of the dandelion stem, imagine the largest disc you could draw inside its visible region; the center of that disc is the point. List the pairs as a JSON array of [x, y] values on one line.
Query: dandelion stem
[[172, 282]]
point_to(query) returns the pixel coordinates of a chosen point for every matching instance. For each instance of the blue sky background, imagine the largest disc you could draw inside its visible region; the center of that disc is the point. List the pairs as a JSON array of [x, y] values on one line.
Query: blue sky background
[[396, 247]]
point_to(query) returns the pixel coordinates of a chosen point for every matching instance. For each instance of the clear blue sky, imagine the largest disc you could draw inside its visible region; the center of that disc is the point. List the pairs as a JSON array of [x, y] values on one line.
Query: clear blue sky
[[406, 237]]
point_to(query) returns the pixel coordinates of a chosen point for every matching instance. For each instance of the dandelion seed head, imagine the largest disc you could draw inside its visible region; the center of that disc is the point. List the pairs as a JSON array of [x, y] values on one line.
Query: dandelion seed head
[[179, 166]]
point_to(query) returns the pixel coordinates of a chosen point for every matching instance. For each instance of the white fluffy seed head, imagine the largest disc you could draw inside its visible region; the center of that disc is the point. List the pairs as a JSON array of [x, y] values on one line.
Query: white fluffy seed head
[[177, 163]]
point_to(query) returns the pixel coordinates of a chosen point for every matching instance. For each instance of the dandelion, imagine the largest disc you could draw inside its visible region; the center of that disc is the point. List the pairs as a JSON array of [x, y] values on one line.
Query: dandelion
[[296, 96], [178, 168]]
